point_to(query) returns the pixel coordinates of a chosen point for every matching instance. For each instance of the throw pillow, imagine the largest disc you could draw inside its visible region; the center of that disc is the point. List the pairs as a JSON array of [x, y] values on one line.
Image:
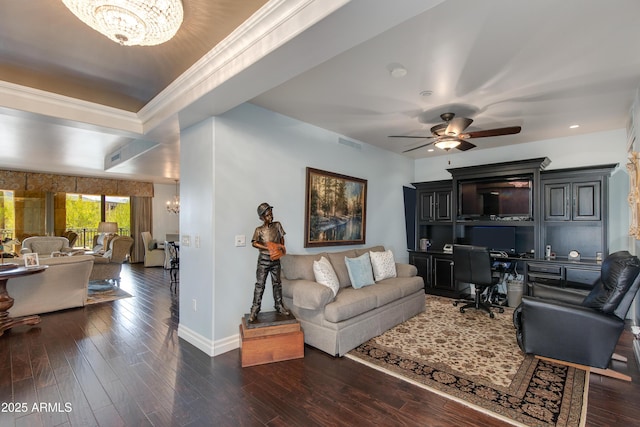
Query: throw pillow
[[384, 266], [153, 244], [360, 271], [324, 274]]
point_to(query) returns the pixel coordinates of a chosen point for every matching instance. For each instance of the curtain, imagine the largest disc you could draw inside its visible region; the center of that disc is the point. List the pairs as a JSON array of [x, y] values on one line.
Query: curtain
[[141, 220]]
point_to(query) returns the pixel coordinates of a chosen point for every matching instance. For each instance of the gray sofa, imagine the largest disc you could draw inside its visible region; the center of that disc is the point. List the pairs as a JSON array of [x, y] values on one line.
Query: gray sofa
[[338, 324], [62, 285]]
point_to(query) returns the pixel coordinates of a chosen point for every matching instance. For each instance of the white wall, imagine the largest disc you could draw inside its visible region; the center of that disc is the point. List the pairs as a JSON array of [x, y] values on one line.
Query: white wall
[[262, 156], [583, 150], [163, 221]]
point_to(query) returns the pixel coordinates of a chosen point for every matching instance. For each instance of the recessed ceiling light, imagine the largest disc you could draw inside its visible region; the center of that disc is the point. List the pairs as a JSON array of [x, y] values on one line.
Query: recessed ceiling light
[[426, 93], [574, 126], [430, 150]]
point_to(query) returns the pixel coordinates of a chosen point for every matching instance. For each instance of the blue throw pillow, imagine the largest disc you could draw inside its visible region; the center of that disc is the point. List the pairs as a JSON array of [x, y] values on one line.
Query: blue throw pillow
[[360, 271]]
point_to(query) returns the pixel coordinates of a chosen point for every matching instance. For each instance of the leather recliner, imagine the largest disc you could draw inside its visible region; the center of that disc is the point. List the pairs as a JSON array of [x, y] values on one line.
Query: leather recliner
[[584, 334]]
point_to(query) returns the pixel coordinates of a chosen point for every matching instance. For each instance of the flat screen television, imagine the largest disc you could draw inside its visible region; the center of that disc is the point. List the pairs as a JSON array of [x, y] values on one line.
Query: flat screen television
[[499, 198], [496, 238]]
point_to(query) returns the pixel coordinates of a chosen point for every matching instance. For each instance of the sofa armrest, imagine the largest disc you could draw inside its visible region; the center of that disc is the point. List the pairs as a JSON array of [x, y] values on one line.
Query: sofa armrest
[[307, 294], [406, 270]]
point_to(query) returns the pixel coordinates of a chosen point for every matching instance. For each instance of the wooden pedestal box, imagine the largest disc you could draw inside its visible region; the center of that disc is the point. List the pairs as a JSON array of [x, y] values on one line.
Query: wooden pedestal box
[[272, 343]]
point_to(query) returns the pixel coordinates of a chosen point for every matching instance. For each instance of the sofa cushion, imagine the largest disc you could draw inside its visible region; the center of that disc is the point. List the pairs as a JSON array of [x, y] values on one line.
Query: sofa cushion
[[339, 266], [406, 285], [383, 264], [359, 269], [324, 274], [299, 267], [349, 303]]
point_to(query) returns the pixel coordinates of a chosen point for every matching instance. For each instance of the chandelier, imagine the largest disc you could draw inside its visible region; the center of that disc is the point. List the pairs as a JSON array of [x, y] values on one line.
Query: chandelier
[[173, 206], [130, 22]]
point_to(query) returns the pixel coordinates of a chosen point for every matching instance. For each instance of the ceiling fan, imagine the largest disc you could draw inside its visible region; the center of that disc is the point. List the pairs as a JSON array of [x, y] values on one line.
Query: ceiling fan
[[451, 133]]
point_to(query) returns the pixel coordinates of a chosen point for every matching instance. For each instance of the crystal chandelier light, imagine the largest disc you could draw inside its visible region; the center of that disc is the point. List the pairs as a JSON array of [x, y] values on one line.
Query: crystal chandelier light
[[130, 22], [173, 206]]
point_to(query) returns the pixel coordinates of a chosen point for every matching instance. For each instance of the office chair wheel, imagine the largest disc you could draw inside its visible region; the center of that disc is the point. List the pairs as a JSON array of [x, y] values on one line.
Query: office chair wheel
[[455, 303], [491, 315], [461, 309], [501, 310]]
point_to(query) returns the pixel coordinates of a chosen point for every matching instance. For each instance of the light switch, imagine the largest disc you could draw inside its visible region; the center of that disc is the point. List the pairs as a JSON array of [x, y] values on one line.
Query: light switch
[[186, 240], [197, 241], [241, 240]]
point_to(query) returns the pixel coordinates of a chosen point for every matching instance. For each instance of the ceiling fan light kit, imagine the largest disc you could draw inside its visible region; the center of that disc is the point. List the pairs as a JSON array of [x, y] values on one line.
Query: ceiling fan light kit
[[447, 143], [130, 22]]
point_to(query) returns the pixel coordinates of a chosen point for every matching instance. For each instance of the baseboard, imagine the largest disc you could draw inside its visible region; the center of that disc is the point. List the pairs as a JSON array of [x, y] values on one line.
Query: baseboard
[[210, 348], [636, 350]]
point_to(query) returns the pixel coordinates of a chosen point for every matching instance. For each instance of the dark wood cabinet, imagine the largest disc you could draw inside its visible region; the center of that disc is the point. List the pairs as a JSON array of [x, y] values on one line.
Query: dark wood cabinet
[[562, 274], [437, 271], [572, 201], [443, 273], [434, 201]]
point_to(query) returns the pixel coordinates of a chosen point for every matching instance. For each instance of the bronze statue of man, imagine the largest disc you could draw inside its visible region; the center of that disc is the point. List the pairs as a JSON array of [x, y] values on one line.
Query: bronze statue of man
[[269, 239]]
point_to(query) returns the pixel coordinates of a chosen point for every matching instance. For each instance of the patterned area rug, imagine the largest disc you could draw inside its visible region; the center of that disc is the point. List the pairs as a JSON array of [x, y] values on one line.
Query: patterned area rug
[[104, 291], [476, 361]]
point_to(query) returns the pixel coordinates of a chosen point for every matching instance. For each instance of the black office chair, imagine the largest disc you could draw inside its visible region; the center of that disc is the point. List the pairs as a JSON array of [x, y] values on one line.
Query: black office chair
[[174, 264], [472, 264]]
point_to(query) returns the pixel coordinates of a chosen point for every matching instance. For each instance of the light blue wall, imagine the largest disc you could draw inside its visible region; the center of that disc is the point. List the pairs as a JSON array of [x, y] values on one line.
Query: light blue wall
[[232, 163], [197, 264], [262, 156]]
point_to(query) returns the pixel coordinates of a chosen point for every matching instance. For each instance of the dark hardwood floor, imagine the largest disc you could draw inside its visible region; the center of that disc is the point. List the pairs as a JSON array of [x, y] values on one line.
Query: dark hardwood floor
[[122, 364]]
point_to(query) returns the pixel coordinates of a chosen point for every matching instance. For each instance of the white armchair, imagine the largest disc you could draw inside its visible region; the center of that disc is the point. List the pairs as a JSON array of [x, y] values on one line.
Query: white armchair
[[153, 257]]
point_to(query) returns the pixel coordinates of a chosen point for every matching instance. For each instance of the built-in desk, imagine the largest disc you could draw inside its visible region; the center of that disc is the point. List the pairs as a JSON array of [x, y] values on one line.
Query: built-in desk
[[543, 277]]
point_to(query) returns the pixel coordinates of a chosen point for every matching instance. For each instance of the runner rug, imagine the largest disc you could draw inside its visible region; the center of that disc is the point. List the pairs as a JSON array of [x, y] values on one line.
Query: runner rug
[[475, 360], [104, 291]]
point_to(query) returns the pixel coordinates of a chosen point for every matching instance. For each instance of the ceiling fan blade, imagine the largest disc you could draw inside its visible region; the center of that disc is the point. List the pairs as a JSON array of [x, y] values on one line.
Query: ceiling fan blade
[[409, 136], [418, 147], [493, 132], [457, 125], [465, 145]]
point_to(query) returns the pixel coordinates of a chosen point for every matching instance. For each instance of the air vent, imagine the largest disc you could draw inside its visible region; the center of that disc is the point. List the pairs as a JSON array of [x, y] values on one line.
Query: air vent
[[127, 152], [350, 143]]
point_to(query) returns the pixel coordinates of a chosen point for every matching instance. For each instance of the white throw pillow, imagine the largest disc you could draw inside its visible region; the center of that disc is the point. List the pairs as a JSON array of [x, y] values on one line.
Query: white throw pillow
[[384, 266], [325, 275]]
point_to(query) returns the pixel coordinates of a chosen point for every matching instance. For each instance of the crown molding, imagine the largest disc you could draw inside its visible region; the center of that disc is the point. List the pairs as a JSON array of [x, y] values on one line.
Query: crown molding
[[69, 111], [269, 28]]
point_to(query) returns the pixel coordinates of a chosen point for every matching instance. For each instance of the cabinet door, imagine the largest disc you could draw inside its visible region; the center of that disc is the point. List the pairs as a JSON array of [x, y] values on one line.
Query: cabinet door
[[443, 205], [423, 264], [586, 201], [427, 204], [442, 273], [557, 199]]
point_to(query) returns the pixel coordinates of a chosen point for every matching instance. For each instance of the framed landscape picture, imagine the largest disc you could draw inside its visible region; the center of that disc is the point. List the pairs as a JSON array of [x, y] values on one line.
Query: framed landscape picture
[[335, 212]]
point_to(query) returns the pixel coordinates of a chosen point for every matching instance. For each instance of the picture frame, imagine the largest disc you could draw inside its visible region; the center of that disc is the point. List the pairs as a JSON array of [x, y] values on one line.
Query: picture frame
[[31, 260], [335, 209]]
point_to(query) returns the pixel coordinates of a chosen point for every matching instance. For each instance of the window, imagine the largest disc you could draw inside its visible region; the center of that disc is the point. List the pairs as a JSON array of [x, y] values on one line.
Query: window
[[85, 211]]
